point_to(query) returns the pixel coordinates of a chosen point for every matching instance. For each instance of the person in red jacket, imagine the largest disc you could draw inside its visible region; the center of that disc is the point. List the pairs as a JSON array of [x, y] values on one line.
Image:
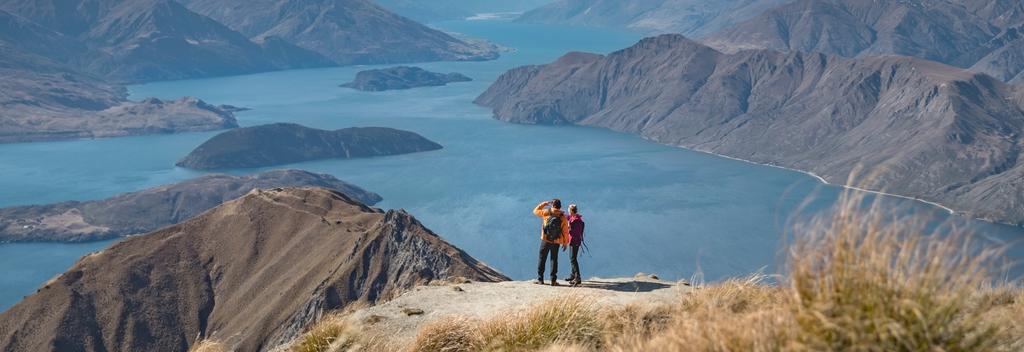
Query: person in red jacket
[[576, 226], [554, 232]]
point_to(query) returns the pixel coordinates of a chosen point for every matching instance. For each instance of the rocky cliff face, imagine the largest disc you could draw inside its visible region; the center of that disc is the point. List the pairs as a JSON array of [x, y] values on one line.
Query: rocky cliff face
[[147, 210], [283, 143], [402, 77], [963, 33], [918, 128], [252, 272], [346, 31], [689, 17]]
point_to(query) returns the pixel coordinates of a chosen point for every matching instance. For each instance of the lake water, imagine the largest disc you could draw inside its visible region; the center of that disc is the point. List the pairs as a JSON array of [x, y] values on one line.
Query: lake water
[[649, 208]]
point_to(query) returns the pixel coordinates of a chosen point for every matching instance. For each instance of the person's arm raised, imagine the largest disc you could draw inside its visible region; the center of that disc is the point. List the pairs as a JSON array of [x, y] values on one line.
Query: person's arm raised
[[539, 210]]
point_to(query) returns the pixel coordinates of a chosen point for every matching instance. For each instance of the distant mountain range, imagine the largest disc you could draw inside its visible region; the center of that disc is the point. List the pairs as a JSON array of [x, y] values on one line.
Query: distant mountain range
[[346, 31], [979, 34], [439, 10], [253, 272], [689, 17], [918, 128], [145, 40], [63, 61], [983, 35]]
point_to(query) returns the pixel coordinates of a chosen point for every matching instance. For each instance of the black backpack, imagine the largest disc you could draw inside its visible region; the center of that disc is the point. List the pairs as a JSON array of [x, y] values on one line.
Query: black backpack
[[553, 228]]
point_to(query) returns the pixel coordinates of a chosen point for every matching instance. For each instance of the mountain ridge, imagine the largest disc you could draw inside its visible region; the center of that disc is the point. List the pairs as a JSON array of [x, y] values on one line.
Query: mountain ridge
[[223, 275], [921, 129]]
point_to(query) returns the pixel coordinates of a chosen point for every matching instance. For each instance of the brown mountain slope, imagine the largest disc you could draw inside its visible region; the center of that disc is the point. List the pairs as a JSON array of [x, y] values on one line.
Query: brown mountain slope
[[145, 40], [925, 129], [346, 31], [42, 98], [689, 17], [252, 272], [962, 33], [150, 209]]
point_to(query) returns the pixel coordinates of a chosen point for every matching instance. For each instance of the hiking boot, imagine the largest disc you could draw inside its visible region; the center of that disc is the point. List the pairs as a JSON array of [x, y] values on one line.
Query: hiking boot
[[554, 282], [539, 281], [569, 279]]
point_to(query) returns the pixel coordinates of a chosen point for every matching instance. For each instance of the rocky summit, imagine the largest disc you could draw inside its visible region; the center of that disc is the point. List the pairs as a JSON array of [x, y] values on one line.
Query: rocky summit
[[147, 210], [402, 77], [253, 272], [901, 125], [283, 143]]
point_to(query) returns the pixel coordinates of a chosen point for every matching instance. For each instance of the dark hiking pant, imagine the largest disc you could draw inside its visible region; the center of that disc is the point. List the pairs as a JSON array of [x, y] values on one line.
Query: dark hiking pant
[[574, 251], [547, 248]]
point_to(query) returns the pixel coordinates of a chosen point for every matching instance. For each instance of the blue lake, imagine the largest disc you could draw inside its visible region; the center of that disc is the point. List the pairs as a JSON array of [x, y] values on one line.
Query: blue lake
[[649, 208]]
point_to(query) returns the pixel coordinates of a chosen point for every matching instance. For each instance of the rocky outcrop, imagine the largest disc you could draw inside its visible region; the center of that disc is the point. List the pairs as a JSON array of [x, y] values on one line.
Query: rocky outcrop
[[346, 31], [402, 77], [962, 33], [689, 17], [252, 272], [918, 128], [284, 143], [147, 210]]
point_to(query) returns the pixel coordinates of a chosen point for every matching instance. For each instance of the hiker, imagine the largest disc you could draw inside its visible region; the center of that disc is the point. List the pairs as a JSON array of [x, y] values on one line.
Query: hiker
[[576, 226], [554, 233]]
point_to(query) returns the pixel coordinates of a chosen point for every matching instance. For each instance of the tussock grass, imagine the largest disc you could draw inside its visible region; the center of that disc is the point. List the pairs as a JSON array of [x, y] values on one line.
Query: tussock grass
[[862, 280], [449, 334], [569, 320], [209, 346], [333, 334]]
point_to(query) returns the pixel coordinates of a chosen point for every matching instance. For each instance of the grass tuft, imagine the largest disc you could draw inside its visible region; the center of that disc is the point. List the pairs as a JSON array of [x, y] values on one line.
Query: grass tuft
[[209, 346], [569, 320], [333, 334], [449, 334]]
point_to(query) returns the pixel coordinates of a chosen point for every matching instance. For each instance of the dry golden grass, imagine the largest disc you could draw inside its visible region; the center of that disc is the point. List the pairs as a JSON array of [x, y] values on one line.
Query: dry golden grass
[[569, 320], [863, 280], [332, 334], [449, 334], [209, 346]]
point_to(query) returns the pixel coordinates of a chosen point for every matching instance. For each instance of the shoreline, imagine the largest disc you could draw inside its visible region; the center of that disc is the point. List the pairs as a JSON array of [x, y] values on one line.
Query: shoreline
[[947, 209]]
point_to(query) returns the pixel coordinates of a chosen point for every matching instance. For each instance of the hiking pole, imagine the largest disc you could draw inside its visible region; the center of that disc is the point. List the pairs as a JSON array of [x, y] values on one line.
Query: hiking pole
[[586, 249]]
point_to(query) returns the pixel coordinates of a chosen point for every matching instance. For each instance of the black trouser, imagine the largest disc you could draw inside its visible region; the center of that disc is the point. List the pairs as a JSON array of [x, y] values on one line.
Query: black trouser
[[545, 249], [574, 250]]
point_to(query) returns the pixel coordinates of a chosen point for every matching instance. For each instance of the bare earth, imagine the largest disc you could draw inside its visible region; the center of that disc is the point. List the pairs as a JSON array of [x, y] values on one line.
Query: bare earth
[[485, 299]]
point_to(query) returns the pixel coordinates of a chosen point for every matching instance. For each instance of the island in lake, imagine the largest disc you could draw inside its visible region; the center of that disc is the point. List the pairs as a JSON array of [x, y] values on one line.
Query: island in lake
[[151, 209], [402, 77], [284, 143]]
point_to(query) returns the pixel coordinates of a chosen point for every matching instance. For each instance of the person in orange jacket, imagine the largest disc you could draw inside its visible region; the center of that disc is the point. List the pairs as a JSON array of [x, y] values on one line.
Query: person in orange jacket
[[554, 233]]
